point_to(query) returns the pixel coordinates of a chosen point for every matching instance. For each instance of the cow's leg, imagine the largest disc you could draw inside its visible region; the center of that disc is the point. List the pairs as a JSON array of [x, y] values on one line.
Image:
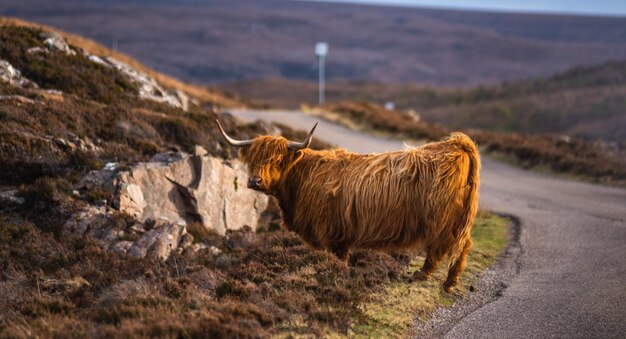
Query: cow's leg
[[457, 268], [342, 251], [433, 258]]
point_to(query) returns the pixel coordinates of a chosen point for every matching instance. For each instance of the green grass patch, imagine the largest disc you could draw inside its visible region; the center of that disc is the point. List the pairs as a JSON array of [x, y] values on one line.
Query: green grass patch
[[391, 312]]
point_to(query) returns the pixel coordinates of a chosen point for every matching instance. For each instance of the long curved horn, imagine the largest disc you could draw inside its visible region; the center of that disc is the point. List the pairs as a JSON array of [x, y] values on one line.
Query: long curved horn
[[236, 143], [305, 143]]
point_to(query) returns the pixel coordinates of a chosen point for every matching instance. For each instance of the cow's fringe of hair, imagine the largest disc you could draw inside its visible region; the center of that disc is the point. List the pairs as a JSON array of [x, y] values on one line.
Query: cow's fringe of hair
[[420, 198]]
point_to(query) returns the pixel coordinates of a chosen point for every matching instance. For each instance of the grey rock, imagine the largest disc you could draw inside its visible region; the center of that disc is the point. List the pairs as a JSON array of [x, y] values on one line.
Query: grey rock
[[138, 228], [54, 40], [214, 250], [158, 242], [195, 188], [54, 92], [89, 219], [13, 76], [195, 249], [17, 99], [121, 247], [185, 242], [163, 196], [148, 87], [168, 157], [11, 196], [97, 179], [97, 59], [34, 50]]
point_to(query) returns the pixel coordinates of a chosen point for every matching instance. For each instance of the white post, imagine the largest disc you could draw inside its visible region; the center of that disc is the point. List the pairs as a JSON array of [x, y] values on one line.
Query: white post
[[322, 79], [321, 51]]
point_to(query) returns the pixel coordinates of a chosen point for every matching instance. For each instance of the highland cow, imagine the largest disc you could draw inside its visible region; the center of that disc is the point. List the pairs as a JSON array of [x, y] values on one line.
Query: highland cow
[[423, 198]]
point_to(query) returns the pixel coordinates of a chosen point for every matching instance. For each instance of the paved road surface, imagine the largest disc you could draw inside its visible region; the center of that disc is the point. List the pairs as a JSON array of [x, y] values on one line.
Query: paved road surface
[[572, 274]]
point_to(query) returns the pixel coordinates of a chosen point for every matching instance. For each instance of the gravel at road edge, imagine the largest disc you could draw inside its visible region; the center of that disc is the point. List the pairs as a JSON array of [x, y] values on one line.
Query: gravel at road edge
[[489, 287]]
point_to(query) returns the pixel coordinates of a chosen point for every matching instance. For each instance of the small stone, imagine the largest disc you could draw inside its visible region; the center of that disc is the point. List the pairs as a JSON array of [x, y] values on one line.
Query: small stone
[[214, 250], [138, 228], [33, 50], [158, 242], [472, 288], [12, 197], [110, 166], [97, 60], [54, 92], [224, 261], [192, 250], [54, 40], [185, 241], [121, 247]]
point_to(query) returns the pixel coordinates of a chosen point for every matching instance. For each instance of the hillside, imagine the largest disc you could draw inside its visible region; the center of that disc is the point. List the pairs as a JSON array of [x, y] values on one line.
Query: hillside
[[585, 102], [199, 92], [71, 92], [122, 215], [225, 41]]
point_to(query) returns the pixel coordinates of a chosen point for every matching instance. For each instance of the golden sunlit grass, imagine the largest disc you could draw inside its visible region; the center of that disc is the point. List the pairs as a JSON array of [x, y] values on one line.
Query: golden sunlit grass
[[391, 312]]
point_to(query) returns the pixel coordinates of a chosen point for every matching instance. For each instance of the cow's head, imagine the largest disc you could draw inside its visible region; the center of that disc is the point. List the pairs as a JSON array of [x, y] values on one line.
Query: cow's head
[[269, 158]]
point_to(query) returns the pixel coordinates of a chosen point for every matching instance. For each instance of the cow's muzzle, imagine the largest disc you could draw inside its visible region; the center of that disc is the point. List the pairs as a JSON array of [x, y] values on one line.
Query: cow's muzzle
[[254, 183]]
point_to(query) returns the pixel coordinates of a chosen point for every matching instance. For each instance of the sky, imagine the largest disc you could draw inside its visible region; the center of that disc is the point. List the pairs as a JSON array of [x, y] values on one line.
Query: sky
[[589, 7]]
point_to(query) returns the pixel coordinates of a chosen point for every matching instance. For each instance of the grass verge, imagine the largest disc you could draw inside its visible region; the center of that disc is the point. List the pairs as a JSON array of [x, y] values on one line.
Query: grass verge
[[392, 311]]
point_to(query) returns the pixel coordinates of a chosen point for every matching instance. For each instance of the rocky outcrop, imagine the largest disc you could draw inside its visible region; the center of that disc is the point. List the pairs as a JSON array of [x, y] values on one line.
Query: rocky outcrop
[[164, 195], [149, 89], [154, 239], [74, 143], [54, 40], [183, 188], [13, 76], [159, 242]]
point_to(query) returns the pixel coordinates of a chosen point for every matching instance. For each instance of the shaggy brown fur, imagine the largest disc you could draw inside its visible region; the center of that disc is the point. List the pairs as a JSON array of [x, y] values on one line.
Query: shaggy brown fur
[[420, 198]]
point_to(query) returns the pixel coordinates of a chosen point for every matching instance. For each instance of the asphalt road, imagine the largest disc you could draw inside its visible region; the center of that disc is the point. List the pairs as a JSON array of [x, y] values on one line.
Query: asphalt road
[[571, 279]]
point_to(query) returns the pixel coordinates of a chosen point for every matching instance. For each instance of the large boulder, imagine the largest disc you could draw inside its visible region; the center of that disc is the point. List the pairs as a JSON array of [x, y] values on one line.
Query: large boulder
[[190, 188], [163, 196]]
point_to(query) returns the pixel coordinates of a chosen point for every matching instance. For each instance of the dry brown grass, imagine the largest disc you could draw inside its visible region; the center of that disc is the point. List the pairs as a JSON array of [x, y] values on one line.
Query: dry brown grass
[[587, 160], [53, 284], [40, 133], [255, 287], [261, 284]]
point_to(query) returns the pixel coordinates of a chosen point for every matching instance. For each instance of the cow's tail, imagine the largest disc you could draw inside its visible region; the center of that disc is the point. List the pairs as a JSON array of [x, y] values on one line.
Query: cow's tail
[[469, 186]]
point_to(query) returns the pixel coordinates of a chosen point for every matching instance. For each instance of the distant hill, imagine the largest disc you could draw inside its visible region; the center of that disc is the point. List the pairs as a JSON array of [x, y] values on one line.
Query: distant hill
[[225, 41], [587, 102]]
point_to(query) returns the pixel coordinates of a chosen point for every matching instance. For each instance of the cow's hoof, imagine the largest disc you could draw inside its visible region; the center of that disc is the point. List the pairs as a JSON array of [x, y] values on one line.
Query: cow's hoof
[[448, 287], [420, 276]]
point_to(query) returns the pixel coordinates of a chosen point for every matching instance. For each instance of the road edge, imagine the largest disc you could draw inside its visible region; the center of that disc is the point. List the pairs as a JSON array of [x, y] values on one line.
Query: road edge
[[491, 285]]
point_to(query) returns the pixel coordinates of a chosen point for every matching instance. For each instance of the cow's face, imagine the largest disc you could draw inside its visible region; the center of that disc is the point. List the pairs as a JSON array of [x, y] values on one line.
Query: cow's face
[[269, 158]]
